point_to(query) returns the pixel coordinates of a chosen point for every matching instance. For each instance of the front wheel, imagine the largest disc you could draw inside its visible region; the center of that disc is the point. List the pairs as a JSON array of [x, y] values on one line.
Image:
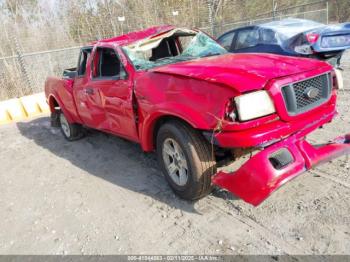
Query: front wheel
[[70, 131], [186, 160]]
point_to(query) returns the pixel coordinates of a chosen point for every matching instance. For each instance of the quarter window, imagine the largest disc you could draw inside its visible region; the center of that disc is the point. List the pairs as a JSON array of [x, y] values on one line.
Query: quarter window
[[268, 37]]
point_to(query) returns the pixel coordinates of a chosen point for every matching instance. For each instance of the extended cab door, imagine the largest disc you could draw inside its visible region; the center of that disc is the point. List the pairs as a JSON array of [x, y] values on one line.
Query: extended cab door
[[110, 94], [85, 94]]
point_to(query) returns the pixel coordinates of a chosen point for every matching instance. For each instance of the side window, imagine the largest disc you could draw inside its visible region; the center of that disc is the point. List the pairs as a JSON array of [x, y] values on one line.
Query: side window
[[226, 40], [83, 58], [247, 38], [107, 64]]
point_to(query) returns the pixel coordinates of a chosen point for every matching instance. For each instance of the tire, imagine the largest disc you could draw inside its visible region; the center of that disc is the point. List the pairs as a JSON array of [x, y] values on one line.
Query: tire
[[70, 131], [190, 180]]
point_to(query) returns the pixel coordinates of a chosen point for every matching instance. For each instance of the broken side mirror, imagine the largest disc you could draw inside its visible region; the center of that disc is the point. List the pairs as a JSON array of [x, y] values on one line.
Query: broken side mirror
[[123, 74], [70, 73]]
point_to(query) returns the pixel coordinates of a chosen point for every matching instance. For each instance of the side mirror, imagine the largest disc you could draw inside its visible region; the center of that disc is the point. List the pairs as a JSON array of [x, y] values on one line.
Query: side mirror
[[70, 73], [123, 74]]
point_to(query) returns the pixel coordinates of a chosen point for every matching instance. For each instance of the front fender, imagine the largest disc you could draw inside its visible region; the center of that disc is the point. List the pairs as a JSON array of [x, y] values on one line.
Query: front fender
[[197, 102]]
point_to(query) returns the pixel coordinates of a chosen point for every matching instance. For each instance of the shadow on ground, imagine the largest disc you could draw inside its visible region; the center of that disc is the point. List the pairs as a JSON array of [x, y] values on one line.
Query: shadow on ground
[[111, 158]]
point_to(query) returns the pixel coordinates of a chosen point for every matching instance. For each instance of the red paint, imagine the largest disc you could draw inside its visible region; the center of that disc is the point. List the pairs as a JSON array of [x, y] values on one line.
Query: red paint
[[198, 92], [242, 72]]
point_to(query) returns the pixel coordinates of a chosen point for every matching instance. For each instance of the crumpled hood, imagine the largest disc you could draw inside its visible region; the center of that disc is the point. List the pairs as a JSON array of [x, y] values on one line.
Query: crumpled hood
[[243, 72]]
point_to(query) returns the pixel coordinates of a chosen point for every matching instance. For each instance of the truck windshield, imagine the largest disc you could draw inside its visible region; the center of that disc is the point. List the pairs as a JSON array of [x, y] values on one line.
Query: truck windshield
[[176, 46]]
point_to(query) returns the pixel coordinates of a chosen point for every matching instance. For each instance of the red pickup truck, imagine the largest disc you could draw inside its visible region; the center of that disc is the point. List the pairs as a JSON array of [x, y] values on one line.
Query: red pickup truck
[[178, 92]]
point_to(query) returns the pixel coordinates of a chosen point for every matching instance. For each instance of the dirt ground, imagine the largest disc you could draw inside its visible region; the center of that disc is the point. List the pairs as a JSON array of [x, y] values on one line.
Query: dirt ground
[[102, 195]]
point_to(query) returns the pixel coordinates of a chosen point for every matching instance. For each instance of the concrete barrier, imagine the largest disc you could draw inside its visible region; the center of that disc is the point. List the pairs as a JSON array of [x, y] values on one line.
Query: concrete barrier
[[18, 109], [41, 100], [4, 115], [30, 106]]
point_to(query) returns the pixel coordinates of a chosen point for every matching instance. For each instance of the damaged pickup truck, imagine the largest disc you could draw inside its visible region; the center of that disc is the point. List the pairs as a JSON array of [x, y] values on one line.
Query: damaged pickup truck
[[178, 92]]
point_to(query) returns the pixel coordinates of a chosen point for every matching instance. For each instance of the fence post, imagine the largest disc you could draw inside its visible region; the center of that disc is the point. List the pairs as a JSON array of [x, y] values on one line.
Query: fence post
[[274, 9], [327, 8], [210, 16], [23, 67]]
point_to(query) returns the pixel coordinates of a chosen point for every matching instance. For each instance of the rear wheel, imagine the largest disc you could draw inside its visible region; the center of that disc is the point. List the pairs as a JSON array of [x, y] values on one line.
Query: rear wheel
[[186, 160], [70, 131]]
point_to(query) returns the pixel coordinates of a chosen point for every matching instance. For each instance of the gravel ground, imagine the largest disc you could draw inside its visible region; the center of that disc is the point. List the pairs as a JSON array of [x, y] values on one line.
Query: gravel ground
[[102, 195]]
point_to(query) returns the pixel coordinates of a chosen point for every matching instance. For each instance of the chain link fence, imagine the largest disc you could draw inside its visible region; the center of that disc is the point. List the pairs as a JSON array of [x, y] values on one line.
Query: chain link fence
[[317, 11], [25, 69]]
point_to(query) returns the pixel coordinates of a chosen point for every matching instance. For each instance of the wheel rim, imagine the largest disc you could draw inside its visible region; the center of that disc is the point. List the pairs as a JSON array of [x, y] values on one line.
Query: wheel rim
[[175, 162], [64, 125]]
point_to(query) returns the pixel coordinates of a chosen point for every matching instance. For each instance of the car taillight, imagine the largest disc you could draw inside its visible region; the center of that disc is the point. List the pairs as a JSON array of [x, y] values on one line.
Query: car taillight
[[312, 37]]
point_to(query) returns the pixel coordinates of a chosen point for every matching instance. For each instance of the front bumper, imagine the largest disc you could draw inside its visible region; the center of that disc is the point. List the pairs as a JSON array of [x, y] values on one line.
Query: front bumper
[[275, 130], [257, 178]]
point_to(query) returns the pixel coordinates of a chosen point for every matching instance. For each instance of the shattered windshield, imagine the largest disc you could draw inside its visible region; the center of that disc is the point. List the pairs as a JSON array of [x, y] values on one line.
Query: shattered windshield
[[172, 47]]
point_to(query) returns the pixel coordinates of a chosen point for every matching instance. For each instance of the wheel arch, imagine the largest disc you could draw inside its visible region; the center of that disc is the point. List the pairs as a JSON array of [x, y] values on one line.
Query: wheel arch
[[151, 128], [165, 119], [54, 102]]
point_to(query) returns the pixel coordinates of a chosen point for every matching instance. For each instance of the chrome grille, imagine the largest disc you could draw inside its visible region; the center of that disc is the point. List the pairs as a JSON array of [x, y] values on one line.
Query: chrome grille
[[307, 94]]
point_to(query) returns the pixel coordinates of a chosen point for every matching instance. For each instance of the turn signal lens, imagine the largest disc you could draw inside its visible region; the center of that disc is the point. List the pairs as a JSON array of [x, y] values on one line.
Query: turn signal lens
[[230, 114]]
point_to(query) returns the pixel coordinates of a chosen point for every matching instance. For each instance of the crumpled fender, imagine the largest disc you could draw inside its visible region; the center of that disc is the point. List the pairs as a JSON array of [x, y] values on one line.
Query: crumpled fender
[[257, 178]]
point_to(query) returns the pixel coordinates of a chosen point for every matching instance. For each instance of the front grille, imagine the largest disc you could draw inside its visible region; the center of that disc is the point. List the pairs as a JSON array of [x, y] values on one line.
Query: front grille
[[307, 94]]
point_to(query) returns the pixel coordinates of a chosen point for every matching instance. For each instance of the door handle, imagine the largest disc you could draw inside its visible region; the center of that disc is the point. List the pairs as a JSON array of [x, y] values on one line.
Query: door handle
[[89, 91]]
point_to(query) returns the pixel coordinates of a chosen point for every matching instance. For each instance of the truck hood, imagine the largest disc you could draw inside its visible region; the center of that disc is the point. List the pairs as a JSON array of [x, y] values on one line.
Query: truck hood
[[243, 72]]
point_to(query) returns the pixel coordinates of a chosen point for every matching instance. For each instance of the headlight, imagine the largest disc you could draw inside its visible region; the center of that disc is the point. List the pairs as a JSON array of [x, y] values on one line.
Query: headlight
[[254, 105]]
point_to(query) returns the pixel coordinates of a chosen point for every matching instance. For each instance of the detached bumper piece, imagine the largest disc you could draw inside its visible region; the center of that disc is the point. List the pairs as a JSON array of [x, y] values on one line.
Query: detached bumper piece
[[269, 169]]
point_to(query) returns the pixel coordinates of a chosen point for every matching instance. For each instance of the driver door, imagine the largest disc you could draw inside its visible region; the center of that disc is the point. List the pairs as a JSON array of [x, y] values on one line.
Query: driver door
[[111, 94]]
